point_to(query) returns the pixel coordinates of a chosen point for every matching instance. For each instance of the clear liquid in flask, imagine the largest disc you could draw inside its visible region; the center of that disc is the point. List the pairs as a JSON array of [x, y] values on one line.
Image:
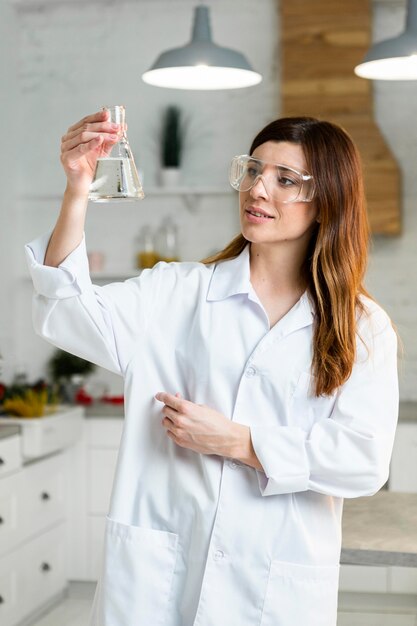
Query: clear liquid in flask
[[114, 179]]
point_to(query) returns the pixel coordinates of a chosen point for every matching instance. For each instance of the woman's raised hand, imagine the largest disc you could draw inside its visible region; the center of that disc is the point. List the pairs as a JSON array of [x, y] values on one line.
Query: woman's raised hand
[[86, 141]]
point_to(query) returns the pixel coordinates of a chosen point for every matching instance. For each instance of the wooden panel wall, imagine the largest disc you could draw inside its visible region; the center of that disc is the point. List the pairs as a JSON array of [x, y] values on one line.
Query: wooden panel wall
[[322, 41]]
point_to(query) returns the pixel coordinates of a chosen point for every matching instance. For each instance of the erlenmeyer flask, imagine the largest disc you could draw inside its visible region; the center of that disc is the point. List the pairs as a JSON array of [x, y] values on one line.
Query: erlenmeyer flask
[[116, 177]]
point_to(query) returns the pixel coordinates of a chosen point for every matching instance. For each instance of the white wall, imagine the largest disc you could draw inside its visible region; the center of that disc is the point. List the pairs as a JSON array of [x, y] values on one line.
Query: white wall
[[74, 57], [9, 118]]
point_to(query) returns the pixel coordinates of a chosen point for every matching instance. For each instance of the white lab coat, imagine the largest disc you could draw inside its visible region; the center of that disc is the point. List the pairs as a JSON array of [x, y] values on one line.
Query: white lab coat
[[203, 540]]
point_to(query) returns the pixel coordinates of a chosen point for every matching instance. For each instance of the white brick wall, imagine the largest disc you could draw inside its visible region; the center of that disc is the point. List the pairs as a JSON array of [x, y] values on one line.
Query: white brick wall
[[75, 57]]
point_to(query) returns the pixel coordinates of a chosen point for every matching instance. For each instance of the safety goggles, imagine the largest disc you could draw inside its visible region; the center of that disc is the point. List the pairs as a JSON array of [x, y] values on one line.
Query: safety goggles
[[281, 182]]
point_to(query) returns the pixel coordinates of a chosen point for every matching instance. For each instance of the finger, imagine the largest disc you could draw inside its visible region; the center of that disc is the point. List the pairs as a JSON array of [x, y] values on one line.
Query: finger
[[169, 400], [86, 137], [168, 424], [82, 150], [171, 414], [97, 127], [99, 116]]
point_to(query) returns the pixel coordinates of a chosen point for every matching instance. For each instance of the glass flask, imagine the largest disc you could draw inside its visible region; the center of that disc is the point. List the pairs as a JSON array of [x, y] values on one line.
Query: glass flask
[[116, 177]]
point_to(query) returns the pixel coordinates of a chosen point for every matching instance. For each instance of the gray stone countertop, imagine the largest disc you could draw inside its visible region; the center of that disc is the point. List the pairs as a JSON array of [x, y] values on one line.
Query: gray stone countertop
[[9, 431], [104, 409], [380, 530]]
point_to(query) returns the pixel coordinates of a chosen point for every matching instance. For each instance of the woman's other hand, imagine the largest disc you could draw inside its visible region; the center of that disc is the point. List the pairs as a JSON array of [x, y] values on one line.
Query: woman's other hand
[[198, 427], [86, 141]]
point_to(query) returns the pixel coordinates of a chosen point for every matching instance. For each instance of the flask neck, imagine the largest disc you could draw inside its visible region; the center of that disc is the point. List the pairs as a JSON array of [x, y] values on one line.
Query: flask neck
[[117, 113], [117, 116]]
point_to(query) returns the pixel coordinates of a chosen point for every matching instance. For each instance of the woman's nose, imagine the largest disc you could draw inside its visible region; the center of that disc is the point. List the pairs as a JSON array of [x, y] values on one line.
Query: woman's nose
[[258, 190]]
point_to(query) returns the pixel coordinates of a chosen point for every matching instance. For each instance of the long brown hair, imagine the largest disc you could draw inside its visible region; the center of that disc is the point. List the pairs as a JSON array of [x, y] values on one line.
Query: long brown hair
[[336, 260]]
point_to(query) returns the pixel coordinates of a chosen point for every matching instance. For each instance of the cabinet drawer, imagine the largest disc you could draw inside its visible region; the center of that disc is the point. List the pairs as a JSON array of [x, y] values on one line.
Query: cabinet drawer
[[10, 514], [43, 494], [96, 528], [9, 606], [44, 565], [10, 455], [104, 433], [31, 575], [102, 468], [363, 579], [403, 580]]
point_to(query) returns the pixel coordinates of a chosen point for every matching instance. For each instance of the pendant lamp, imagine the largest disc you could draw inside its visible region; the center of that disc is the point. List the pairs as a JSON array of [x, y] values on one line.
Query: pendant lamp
[[396, 58], [201, 64]]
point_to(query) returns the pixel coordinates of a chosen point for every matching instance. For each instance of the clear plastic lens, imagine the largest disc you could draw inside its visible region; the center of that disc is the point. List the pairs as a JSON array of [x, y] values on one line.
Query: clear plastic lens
[[282, 183]]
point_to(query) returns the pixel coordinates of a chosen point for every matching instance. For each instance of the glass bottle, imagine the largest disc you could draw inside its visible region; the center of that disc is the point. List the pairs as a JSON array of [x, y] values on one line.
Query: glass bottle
[[116, 176], [167, 241], [146, 257]]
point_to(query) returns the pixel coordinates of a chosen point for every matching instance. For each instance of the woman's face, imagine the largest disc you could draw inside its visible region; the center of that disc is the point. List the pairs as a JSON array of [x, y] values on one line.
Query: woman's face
[[293, 221]]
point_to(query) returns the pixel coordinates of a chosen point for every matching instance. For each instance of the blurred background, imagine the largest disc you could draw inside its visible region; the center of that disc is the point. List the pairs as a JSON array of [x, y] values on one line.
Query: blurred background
[[64, 59]]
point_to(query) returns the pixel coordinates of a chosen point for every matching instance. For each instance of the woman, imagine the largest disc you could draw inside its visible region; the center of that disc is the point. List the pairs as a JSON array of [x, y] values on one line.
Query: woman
[[260, 386]]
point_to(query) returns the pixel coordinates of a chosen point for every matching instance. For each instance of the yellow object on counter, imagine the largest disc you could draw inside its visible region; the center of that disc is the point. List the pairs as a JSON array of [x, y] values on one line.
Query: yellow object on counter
[[31, 404], [146, 259]]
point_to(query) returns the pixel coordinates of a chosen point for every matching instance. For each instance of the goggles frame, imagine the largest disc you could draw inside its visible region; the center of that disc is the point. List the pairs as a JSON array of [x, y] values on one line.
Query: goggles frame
[[303, 174]]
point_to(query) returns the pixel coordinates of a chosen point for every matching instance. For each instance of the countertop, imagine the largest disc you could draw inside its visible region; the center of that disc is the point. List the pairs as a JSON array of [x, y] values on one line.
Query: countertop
[[104, 409], [9, 430], [408, 413], [380, 530]]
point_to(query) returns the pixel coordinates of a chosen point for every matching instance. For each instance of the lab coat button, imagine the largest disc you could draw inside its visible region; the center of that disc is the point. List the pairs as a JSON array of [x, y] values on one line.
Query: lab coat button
[[233, 464], [219, 554], [251, 371]]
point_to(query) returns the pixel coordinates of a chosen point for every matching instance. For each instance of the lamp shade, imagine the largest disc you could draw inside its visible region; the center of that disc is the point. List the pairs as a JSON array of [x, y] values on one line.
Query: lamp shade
[[201, 64], [396, 58]]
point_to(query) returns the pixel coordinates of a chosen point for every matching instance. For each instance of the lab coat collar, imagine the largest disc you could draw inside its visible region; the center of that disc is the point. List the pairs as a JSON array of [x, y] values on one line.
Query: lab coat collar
[[230, 277]]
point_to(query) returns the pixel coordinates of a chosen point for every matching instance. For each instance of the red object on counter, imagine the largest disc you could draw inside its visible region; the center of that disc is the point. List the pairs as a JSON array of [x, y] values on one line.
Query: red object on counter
[[113, 399], [82, 397]]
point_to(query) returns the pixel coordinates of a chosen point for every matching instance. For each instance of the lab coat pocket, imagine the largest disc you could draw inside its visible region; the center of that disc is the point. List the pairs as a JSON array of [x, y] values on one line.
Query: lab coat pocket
[[301, 594], [137, 575]]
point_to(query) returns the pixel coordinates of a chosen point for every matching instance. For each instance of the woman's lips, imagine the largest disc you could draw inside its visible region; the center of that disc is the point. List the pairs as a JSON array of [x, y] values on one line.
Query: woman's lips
[[257, 219]]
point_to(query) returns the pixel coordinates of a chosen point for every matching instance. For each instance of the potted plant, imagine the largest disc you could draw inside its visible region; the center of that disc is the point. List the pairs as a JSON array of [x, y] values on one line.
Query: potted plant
[[172, 140], [68, 372]]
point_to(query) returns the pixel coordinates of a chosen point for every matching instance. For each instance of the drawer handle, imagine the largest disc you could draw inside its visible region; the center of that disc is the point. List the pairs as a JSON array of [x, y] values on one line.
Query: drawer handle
[[2, 461], [45, 496], [45, 567], [1, 600], [1, 521]]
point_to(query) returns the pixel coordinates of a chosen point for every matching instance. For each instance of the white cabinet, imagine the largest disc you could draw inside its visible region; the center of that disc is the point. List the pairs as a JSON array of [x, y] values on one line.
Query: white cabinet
[[31, 575], [10, 456], [94, 462], [33, 514], [103, 437], [403, 471], [403, 477]]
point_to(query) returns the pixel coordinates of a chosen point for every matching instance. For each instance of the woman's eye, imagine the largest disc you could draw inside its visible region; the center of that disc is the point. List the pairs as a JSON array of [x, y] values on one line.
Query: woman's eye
[[252, 171], [285, 181]]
